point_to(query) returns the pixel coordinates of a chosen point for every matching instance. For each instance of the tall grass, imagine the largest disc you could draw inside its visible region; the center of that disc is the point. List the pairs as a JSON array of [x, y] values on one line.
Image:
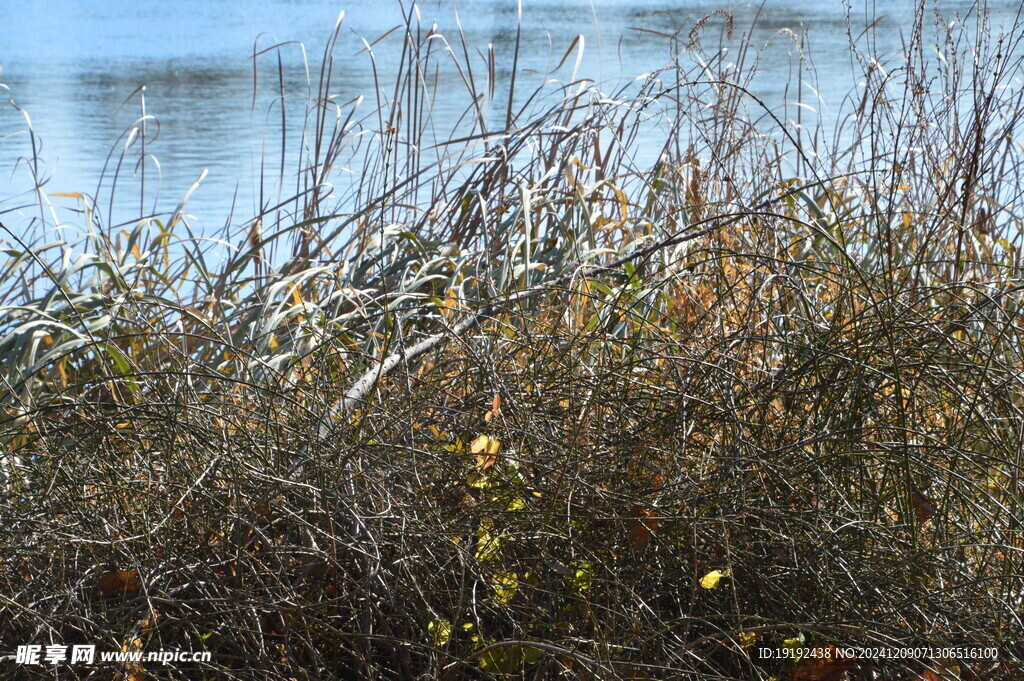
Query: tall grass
[[788, 353]]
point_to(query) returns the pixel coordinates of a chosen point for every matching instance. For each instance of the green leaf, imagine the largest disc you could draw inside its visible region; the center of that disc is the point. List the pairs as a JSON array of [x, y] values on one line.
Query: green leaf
[[123, 365], [509, 660]]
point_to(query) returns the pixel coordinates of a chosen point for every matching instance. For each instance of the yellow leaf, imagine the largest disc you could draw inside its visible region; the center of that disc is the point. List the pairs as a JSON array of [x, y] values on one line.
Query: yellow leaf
[[711, 579], [581, 575], [69, 195], [488, 546], [505, 587], [480, 480], [458, 447], [451, 302], [747, 638], [439, 632], [479, 444], [796, 645], [493, 446], [515, 504]]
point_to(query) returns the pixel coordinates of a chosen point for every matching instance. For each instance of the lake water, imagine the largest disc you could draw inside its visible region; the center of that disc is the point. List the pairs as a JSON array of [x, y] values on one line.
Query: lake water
[[73, 66]]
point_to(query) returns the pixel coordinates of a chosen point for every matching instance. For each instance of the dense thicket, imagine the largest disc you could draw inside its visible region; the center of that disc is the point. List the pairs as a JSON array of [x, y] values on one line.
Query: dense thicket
[[802, 369]]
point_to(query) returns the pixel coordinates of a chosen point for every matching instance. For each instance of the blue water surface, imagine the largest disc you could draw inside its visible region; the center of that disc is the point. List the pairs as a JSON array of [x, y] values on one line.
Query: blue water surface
[[75, 68]]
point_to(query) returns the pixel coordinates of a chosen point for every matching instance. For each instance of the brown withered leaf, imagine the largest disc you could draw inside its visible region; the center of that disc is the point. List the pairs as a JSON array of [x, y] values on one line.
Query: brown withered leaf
[[923, 506], [114, 582], [132, 669], [485, 461], [641, 527], [466, 501], [941, 670], [495, 409], [148, 623]]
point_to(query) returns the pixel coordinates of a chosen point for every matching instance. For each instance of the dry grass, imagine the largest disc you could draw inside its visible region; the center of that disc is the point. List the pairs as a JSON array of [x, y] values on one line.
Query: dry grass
[[804, 371]]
